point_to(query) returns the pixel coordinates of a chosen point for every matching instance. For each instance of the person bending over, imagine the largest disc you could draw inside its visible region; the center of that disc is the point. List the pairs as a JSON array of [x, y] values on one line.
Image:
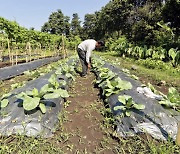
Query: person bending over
[[84, 50]]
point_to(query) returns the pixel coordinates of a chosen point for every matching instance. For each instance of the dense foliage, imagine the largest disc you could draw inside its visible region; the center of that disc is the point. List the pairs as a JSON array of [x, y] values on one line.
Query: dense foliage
[[19, 36], [150, 29]]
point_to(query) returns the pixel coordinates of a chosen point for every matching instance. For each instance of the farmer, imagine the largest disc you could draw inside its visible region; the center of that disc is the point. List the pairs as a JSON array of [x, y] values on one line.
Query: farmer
[[84, 50]]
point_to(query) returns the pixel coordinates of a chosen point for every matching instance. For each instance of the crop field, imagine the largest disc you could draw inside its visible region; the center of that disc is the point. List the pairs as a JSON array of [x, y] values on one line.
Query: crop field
[[129, 101], [85, 121]]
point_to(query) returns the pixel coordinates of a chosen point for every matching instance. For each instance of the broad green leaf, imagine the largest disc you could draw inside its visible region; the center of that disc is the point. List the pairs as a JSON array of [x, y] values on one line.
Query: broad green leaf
[[128, 113], [122, 99], [139, 106], [42, 107], [122, 84], [127, 97], [63, 93], [29, 93], [22, 95], [52, 79], [44, 89], [30, 103], [4, 103], [35, 92], [172, 53], [108, 84], [51, 95], [129, 102]]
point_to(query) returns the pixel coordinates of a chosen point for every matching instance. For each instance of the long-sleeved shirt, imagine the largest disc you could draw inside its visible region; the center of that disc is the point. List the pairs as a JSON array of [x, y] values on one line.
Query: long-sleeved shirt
[[88, 46]]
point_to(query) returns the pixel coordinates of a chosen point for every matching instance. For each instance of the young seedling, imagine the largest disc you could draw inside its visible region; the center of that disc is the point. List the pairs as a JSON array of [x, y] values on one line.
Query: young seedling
[[33, 99], [115, 86], [127, 105], [66, 70], [172, 99], [4, 100]]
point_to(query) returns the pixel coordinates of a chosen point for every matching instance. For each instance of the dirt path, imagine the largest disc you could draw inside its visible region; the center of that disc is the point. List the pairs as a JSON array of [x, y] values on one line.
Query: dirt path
[[83, 127]]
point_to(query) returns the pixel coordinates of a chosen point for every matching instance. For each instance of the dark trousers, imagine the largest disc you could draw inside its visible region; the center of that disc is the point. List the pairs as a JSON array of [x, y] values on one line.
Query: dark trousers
[[82, 57]]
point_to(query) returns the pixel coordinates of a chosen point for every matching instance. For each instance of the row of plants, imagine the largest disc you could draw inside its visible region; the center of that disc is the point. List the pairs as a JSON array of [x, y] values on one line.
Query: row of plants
[[110, 84], [20, 35], [123, 48], [28, 76], [20, 40], [171, 100], [55, 88]]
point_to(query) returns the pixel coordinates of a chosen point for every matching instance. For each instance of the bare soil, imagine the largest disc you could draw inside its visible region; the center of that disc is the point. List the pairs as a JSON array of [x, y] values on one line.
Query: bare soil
[[84, 120]]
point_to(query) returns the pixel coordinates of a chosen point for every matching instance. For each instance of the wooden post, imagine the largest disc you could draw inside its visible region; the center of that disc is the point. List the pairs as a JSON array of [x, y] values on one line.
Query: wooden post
[[16, 49], [64, 56], [9, 51], [26, 52], [12, 58], [29, 48], [1, 51], [178, 135]]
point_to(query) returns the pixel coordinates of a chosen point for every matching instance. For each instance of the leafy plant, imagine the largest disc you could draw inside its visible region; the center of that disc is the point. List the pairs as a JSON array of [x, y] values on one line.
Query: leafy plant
[[33, 99], [4, 101], [54, 88], [115, 86], [105, 74], [66, 70], [127, 105], [172, 99], [33, 74]]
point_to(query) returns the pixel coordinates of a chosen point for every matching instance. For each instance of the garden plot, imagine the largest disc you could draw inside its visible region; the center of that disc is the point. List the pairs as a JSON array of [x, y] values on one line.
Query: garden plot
[[33, 110], [12, 71], [135, 112]]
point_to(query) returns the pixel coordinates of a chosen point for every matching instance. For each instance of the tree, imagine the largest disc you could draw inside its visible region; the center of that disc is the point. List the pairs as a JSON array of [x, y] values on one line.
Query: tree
[[89, 26], [57, 23], [171, 14], [75, 25]]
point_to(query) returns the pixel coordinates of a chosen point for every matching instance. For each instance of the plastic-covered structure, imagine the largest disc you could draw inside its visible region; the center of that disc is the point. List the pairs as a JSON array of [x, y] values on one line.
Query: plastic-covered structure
[[161, 123], [15, 120], [12, 71]]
